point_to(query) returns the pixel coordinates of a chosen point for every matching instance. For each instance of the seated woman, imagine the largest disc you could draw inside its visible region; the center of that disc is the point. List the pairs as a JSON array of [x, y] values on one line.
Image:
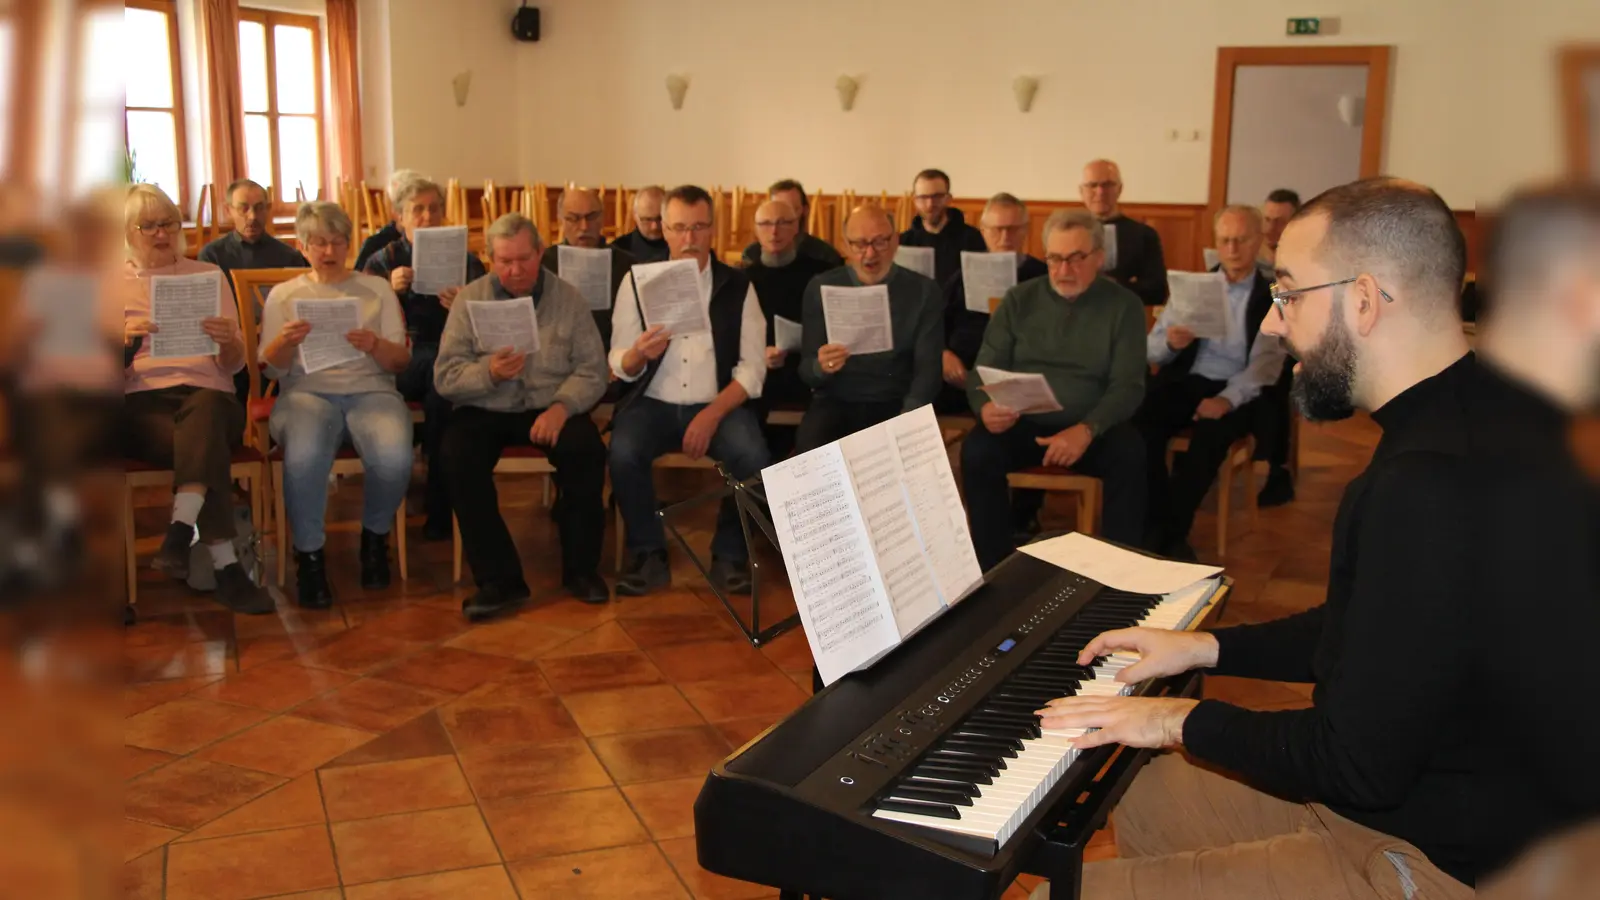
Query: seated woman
[[182, 412], [356, 399]]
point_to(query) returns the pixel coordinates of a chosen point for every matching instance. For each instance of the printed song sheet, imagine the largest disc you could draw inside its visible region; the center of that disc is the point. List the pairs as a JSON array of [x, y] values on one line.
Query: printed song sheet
[[786, 334], [1117, 568], [505, 324], [930, 487], [843, 604], [874, 465], [669, 296], [917, 259], [858, 317], [588, 270], [1110, 232], [1023, 392], [986, 277], [178, 304], [66, 305], [326, 345], [438, 259], [1199, 302]]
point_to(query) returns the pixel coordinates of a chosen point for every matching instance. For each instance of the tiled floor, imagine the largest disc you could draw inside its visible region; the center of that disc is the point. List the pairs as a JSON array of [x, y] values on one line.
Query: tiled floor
[[385, 749]]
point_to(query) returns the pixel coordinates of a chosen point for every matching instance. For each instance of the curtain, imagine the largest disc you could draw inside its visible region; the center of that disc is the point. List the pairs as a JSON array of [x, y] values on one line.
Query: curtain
[[220, 23], [345, 81]]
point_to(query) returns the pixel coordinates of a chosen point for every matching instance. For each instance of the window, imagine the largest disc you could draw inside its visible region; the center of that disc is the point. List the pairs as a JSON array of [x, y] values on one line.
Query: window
[[280, 80], [154, 104]]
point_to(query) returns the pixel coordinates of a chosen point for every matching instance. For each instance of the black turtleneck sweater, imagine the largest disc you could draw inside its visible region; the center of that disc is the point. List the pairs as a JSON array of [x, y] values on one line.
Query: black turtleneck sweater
[[947, 243], [963, 328], [643, 249], [1140, 265]]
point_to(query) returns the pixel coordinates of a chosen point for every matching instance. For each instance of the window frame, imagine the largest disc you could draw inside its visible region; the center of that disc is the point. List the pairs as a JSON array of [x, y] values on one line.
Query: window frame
[[170, 9], [284, 201]]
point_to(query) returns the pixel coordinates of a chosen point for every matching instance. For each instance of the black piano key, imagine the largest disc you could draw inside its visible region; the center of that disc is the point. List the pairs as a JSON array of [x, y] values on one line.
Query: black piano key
[[980, 746], [964, 788], [930, 795], [938, 810], [990, 761], [950, 772], [1002, 729], [977, 736]]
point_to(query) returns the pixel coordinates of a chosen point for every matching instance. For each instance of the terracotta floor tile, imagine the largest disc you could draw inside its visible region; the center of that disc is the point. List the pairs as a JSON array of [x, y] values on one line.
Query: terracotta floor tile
[[329, 894], [185, 725], [504, 771], [659, 631], [707, 885], [789, 651], [655, 707], [568, 612], [748, 696], [198, 659], [670, 603], [140, 696], [802, 680], [660, 755], [710, 659], [297, 803], [286, 745], [638, 872], [358, 653], [498, 714], [371, 705], [413, 844], [741, 731], [184, 628], [138, 760], [599, 671], [666, 807], [380, 789], [451, 669], [188, 793], [588, 820], [139, 838], [513, 638], [259, 651], [144, 878], [274, 686], [251, 865], [290, 620], [487, 883], [422, 736], [607, 637], [417, 623]]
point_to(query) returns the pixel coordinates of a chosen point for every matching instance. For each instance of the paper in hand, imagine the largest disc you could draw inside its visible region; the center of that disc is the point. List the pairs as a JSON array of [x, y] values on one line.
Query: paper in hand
[[1199, 302], [917, 259], [858, 318], [1110, 232], [985, 277], [1213, 258], [505, 324], [438, 259], [328, 343], [1021, 392], [786, 334], [178, 306], [669, 296], [588, 270]]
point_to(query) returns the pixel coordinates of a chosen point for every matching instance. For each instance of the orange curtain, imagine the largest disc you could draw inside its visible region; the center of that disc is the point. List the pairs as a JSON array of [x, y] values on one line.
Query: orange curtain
[[345, 79], [220, 21]]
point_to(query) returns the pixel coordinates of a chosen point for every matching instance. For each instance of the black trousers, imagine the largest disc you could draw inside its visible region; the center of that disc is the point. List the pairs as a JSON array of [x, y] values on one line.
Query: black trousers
[[415, 384], [1117, 458], [1168, 409], [1270, 423], [192, 431], [829, 419], [783, 390], [472, 447]]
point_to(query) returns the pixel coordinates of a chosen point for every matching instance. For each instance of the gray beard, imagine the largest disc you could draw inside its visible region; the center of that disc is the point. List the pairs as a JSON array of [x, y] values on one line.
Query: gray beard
[[779, 260]]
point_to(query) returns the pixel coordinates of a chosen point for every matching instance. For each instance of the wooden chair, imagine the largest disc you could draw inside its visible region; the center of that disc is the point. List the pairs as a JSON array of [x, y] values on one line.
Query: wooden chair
[[1057, 480], [513, 461], [1240, 460]]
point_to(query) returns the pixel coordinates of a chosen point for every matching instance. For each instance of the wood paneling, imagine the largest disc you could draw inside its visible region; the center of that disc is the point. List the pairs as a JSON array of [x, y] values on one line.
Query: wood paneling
[[1575, 61]]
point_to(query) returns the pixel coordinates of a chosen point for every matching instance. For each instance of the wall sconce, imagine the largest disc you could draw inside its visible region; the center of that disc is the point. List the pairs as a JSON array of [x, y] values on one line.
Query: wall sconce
[[1024, 87], [461, 83], [1352, 110], [677, 87], [847, 88]]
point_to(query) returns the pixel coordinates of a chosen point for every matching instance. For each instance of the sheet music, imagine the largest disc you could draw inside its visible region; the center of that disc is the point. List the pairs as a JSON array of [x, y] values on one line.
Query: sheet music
[[438, 258], [1213, 259], [930, 487], [858, 317], [986, 277], [66, 304], [1117, 568], [331, 320], [589, 270], [178, 304], [1110, 232], [1023, 392], [786, 333], [501, 324], [874, 466], [843, 604], [1199, 302], [917, 259], [669, 295]]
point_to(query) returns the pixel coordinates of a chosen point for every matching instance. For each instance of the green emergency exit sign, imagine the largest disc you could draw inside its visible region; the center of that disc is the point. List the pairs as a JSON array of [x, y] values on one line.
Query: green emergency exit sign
[[1304, 26]]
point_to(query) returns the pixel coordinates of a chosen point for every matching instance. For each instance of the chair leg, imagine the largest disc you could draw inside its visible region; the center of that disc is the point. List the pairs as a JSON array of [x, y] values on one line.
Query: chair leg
[[283, 524], [455, 531], [400, 541], [129, 543], [545, 491]]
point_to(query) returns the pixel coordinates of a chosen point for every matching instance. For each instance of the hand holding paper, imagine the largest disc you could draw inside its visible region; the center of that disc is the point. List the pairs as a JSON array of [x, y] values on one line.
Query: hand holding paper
[[179, 305], [1023, 392], [1200, 302], [917, 259], [669, 296], [589, 270], [438, 258], [858, 318], [509, 324], [986, 277], [506, 364], [326, 340]]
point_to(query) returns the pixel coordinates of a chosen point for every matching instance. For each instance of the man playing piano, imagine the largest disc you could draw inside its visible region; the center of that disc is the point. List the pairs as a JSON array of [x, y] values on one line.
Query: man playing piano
[[1380, 788]]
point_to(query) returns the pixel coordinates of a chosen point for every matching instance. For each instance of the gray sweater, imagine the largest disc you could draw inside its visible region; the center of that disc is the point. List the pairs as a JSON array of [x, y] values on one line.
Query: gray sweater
[[569, 368]]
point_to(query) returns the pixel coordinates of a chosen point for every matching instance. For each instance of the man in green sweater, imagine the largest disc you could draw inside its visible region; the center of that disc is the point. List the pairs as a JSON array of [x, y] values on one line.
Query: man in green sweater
[[1085, 334]]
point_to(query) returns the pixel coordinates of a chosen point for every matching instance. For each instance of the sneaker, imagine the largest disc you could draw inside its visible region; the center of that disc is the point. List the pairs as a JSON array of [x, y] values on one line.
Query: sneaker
[[173, 558], [645, 572], [237, 592]]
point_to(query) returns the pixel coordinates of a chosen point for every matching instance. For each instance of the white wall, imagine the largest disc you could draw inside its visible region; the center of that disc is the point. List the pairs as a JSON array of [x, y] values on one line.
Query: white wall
[[1473, 108], [1288, 132]]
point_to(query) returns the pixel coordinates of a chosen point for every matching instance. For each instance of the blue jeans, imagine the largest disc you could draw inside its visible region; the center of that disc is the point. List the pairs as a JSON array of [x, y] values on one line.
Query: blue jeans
[[312, 427], [647, 428]]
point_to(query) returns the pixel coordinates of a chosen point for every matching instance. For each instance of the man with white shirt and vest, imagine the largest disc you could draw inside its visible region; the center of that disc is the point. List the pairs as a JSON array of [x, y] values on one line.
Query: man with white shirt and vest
[[689, 393], [1209, 386]]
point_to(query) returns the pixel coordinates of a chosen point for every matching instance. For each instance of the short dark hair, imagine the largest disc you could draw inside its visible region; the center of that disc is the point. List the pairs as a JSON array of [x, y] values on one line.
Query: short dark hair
[[1284, 195], [1536, 230], [240, 183], [930, 174], [790, 184], [1397, 227], [689, 195]]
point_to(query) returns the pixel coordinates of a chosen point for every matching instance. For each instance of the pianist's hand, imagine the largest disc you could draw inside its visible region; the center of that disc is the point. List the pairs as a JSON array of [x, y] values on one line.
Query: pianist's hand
[[1162, 652], [1152, 723]]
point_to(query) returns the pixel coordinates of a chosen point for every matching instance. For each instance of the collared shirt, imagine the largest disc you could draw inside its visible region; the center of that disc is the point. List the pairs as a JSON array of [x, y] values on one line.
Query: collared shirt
[[688, 372], [1246, 369], [232, 251]]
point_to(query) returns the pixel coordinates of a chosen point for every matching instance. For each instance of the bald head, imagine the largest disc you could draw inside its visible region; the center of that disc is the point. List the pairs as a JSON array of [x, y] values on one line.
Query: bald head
[[777, 226], [582, 216], [647, 211], [870, 243], [1101, 188]]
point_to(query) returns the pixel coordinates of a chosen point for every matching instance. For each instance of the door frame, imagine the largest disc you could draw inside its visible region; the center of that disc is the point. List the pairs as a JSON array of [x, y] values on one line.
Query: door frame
[[1575, 60]]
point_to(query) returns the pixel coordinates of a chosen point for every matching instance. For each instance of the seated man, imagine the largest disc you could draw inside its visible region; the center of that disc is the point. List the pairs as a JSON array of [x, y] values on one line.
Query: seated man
[[645, 243], [1273, 414], [1134, 259], [250, 245], [1085, 334], [856, 392], [582, 216], [794, 194], [1210, 386], [780, 274], [1279, 207], [508, 399], [688, 393], [938, 226]]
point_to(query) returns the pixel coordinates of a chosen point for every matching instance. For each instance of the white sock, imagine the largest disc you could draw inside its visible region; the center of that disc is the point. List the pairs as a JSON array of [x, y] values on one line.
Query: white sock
[[186, 507], [222, 554]]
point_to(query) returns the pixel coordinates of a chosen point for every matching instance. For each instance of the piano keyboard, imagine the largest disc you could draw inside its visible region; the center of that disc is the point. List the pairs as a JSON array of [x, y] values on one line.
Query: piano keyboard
[[989, 772]]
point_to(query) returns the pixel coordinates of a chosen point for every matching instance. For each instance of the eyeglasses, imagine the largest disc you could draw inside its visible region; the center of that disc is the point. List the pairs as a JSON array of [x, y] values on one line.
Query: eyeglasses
[[1099, 185], [649, 220], [1071, 259], [152, 228], [326, 243], [585, 219], [1282, 296], [880, 244], [774, 223], [694, 228], [929, 198]]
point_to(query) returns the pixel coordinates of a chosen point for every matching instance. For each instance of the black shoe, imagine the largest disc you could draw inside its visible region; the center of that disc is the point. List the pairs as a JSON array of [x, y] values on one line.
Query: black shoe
[[589, 587], [173, 558], [644, 573], [437, 529], [129, 616], [311, 580], [731, 576], [1278, 490], [494, 600], [374, 560], [237, 592]]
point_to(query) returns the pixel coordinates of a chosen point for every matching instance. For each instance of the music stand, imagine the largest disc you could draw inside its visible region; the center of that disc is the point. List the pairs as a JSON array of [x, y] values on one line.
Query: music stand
[[751, 505]]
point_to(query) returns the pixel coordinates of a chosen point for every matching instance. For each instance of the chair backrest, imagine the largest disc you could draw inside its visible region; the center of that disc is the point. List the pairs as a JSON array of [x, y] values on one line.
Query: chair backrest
[[250, 289], [994, 304]]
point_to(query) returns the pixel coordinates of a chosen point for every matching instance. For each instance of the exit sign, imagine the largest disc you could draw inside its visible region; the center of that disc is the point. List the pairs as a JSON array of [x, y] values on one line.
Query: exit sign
[[1304, 26]]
